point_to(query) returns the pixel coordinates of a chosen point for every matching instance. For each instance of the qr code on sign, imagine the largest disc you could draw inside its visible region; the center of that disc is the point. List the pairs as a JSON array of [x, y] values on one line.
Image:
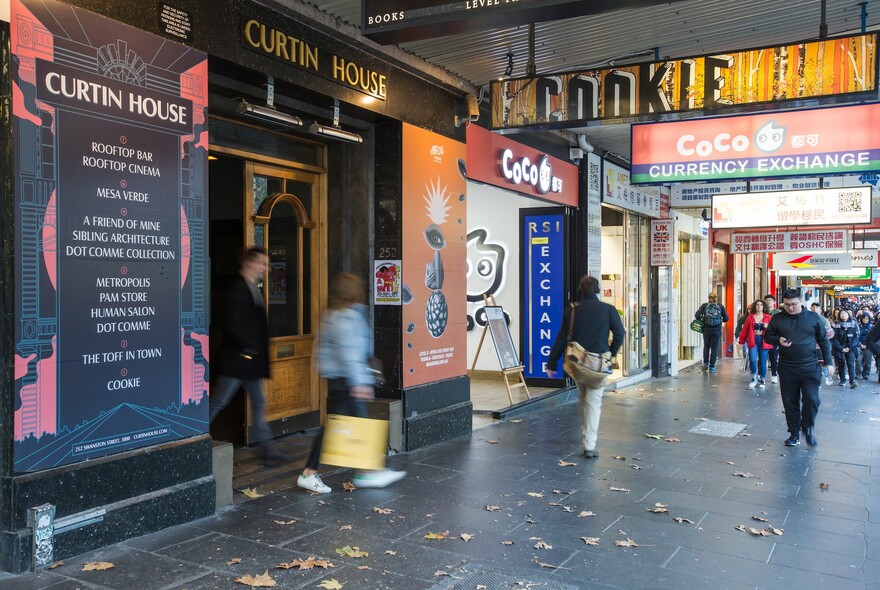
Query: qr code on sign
[[849, 202]]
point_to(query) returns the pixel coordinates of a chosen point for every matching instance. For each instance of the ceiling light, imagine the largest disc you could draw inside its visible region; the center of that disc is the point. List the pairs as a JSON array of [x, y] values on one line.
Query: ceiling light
[[267, 114], [335, 133]]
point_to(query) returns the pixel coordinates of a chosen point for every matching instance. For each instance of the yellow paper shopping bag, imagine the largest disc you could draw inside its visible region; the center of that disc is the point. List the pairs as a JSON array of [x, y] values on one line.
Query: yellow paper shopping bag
[[359, 443]]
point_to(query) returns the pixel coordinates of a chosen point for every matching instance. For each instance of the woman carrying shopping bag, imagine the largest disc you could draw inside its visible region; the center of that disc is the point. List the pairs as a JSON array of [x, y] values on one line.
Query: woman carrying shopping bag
[[752, 335]]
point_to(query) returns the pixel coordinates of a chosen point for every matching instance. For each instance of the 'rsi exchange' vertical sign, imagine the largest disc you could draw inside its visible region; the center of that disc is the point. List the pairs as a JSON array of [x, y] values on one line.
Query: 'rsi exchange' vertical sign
[[543, 287]]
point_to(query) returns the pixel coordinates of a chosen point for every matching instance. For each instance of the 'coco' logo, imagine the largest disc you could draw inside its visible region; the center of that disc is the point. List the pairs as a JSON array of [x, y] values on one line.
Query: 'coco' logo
[[523, 171], [767, 139]]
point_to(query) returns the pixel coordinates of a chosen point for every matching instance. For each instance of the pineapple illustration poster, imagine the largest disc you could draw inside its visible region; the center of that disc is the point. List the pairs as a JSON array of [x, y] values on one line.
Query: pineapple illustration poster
[[434, 257]]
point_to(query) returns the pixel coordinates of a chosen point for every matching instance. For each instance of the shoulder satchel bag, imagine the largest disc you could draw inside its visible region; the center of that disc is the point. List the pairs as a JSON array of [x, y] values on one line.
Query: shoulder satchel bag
[[697, 326], [585, 367]]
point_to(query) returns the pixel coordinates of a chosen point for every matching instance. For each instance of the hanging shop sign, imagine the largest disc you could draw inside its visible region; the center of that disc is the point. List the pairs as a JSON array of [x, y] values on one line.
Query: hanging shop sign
[[396, 21], [831, 206], [787, 241], [502, 162], [434, 290], [841, 277], [699, 194], [797, 71], [617, 190], [834, 140], [294, 46], [820, 261], [594, 215], [543, 287], [662, 242], [111, 340], [865, 258]]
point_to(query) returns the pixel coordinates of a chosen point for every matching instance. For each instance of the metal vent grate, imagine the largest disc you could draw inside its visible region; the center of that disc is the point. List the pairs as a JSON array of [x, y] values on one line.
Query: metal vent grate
[[715, 428]]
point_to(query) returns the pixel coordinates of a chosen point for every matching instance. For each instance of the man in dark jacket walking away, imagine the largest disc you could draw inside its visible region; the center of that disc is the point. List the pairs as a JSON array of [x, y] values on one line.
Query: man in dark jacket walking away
[[713, 315], [243, 358], [797, 331], [593, 320]]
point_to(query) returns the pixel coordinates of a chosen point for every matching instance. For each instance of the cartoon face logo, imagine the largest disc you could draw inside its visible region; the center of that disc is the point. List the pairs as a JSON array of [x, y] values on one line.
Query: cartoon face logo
[[769, 138], [485, 266]]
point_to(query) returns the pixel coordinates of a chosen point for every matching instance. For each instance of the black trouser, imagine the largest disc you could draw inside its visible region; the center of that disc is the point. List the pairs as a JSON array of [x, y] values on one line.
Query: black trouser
[[799, 386], [341, 402], [867, 359], [773, 357], [711, 344], [847, 365]]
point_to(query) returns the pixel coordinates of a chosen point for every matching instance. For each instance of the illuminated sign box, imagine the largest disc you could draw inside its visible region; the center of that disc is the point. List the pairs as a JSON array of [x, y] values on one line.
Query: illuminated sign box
[[786, 241], [846, 65], [834, 140], [828, 206], [810, 263]]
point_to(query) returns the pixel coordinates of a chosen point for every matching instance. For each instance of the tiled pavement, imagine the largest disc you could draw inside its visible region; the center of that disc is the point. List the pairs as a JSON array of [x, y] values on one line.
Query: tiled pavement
[[830, 540]]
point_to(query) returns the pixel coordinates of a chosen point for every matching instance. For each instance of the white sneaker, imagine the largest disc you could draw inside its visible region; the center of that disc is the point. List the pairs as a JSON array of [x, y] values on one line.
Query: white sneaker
[[774, 379], [312, 483], [761, 384], [752, 383], [378, 479]]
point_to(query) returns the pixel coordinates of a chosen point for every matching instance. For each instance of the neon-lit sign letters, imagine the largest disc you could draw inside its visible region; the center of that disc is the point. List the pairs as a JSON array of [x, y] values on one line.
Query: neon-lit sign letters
[[523, 171]]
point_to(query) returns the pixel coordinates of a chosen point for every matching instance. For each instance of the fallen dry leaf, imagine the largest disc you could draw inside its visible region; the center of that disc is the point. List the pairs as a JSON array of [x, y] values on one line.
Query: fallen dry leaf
[[305, 564], [586, 513], [543, 545], [619, 457], [743, 474], [658, 510], [701, 419], [97, 566], [465, 537], [284, 522], [492, 442], [567, 508], [824, 486], [436, 536], [383, 510], [364, 567], [535, 495], [349, 487], [263, 580], [775, 530], [332, 584], [550, 566], [233, 561], [251, 493], [390, 552], [54, 565], [354, 552], [566, 463], [613, 489], [682, 520], [744, 434], [517, 421], [627, 543], [507, 542], [660, 505], [481, 587], [441, 573], [345, 527], [759, 518], [656, 436], [492, 508], [672, 439], [753, 531], [634, 466], [590, 540], [730, 462]]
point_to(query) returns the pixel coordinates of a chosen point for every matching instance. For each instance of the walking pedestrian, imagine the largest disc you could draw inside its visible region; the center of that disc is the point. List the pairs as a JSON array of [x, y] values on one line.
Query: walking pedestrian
[[797, 332], [872, 343], [344, 351], [773, 355], [866, 358], [846, 341], [243, 356], [752, 335], [713, 315], [593, 321]]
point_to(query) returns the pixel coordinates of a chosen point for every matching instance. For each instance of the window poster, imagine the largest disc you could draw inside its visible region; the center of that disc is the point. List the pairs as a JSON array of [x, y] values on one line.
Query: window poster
[[434, 263], [110, 127], [497, 322]]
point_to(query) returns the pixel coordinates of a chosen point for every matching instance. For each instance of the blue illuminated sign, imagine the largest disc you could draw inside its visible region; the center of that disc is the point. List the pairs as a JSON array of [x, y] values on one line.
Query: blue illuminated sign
[[543, 288]]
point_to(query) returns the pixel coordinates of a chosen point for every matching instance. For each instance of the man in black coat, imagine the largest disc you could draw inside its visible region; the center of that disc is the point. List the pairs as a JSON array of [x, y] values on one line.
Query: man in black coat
[[713, 315], [593, 321], [797, 331], [243, 358]]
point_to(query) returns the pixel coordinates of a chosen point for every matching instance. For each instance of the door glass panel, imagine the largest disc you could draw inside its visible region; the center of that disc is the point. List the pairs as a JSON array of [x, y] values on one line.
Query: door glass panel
[[265, 186], [303, 191], [283, 271]]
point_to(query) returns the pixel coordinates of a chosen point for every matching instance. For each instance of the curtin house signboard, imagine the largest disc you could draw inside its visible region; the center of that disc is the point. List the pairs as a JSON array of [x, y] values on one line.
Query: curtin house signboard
[[111, 133], [828, 141]]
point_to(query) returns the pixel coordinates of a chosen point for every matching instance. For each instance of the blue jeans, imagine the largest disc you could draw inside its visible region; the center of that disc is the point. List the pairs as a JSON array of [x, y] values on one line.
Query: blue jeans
[[758, 356]]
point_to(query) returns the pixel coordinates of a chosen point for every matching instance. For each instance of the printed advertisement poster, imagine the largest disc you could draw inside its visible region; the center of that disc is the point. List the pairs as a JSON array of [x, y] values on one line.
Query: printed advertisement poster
[[823, 206], [497, 322], [662, 242], [594, 215], [617, 190], [111, 346], [832, 140], [543, 285], [386, 282], [434, 257]]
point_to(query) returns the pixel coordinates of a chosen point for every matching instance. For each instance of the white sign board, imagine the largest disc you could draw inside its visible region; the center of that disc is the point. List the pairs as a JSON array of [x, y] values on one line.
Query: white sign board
[[594, 215], [788, 241], [867, 258], [699, 194], [616, 190], [662, 242], [831, 206], [819, 261]]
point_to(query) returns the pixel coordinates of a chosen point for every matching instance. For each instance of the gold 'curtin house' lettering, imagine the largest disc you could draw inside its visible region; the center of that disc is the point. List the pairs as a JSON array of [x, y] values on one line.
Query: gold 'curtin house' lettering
[[281, 45], [358, 76]]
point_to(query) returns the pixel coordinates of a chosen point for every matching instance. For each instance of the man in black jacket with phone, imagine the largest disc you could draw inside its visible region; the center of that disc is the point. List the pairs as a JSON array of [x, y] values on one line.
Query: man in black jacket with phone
[[797, 331]]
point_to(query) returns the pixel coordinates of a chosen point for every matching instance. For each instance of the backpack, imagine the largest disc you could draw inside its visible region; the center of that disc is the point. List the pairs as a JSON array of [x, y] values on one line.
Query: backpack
[[712, 315]]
